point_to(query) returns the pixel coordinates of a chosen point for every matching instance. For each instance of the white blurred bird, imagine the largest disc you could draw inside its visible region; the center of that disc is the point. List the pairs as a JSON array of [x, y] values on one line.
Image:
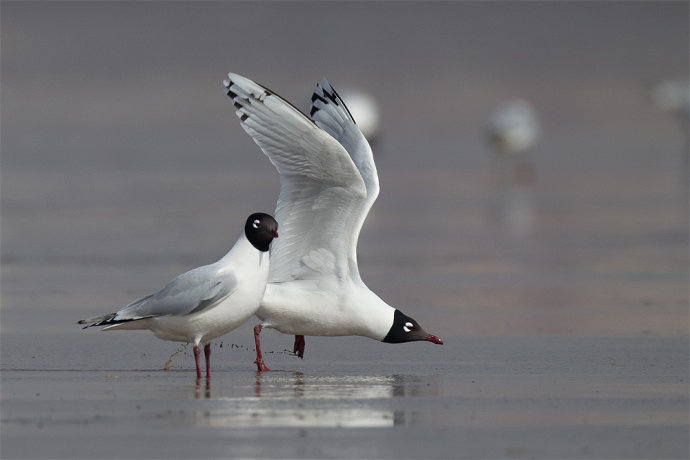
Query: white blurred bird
[[513, 127], [673, 96], [365, 111], [206, 302]]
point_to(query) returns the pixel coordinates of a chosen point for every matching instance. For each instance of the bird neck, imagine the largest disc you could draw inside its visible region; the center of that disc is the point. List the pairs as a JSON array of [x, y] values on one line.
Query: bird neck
[[374, 314], [245, 250]]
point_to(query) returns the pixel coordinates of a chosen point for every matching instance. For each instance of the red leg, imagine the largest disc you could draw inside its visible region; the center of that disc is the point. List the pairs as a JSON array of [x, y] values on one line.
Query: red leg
[[207, 354], [197, 353], [298, 349], [259, 358]]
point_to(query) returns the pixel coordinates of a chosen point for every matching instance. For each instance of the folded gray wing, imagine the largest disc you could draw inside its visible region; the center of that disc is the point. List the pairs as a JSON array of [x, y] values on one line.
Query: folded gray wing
[[188, 293]]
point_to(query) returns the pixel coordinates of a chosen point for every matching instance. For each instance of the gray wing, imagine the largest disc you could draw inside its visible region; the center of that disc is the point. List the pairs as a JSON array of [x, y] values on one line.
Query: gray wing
[[330, 113], [188, 293], [321, 190]]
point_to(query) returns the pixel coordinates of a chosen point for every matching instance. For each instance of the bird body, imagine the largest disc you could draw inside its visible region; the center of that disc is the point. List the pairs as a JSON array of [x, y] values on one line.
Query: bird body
[[206, 302], [235, 301], [513, 127], [331, 308]]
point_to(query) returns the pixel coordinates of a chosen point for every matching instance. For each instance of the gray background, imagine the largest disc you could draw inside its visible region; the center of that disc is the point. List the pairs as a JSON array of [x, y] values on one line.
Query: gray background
[[123, 165]]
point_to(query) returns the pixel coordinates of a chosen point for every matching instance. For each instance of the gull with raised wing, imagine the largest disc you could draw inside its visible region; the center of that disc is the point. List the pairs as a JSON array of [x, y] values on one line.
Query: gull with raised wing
[[328, 184], [206, 302]]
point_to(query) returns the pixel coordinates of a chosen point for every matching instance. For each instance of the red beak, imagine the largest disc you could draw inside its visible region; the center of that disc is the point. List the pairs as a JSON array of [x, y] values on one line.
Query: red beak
[[274, 233], [433, 339]]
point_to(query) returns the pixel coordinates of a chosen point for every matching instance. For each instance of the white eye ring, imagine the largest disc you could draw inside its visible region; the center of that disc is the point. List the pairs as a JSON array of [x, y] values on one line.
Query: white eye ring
[[256, 223], [407, 327]]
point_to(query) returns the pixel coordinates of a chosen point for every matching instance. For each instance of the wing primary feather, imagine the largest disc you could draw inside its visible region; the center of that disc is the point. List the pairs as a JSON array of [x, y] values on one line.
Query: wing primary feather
[[322, 191], [331, 114], [267, 92]]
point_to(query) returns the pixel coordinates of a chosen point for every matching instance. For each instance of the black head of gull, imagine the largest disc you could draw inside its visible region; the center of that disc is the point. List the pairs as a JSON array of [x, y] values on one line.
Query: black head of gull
[[406, 329], [260, 230]]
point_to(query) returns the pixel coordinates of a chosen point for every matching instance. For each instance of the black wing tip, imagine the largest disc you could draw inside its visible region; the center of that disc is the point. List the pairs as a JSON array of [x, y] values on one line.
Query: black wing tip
[[331, 94], [107, 320], [88, 324], [241, 100], [236, 100], [333, 97], [316, 97], [227, 83], [228, 89]]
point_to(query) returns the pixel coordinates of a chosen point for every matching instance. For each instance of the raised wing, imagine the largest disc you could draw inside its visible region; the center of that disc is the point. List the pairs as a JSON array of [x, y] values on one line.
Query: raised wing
[[322, 191], [188, 293], [330, 113]]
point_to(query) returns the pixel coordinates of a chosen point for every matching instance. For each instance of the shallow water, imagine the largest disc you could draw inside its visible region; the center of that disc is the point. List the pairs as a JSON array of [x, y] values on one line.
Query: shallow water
[[561, 295], [484, 397]]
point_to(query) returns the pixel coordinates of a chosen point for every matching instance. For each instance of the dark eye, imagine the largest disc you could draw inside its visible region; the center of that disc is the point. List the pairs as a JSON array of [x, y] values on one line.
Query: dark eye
[[408, 327], [256, 223]]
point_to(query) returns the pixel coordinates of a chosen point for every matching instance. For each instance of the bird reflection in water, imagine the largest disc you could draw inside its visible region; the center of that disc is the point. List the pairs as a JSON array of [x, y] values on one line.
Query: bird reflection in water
[[300, 400], [297, 384], [207, 389], [512, 132]]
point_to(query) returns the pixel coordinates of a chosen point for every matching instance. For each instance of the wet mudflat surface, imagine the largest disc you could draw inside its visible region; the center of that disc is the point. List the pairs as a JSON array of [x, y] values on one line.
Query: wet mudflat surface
[[558, 279], [568, 342], [502, 397]]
